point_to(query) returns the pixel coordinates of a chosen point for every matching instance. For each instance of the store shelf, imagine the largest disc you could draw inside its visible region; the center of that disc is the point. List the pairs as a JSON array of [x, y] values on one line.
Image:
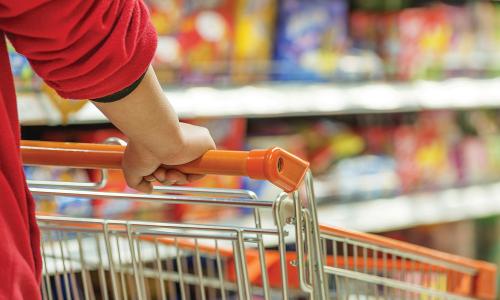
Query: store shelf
[[381, 215], [420, 209], [296, 100]]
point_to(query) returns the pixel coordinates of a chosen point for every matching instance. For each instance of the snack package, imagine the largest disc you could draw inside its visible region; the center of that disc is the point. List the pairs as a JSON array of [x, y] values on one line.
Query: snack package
[[475, 163], [363, 31], [365, 177], [166, 16], [433, 153], [464, 58], [405, 145], [311, 38], [389, 42], [195, 40], [425, 35], [253, 44]]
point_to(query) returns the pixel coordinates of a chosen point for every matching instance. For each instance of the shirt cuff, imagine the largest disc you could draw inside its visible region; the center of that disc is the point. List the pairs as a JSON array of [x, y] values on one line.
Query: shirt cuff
[[122, 93]]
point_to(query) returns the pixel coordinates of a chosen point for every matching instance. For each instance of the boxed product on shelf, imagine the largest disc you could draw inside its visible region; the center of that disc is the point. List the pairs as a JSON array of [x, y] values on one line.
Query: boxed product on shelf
[[377, 33], [436, 133], [166, 16], [425, 36], [442, 41], [364, 177], [195, 41], [464, 57], [486, 16], [433, 41], [311, 38], [253, 40]]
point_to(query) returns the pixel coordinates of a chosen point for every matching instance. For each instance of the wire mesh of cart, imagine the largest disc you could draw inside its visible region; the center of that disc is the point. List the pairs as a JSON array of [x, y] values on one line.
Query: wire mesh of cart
[[280, 252]]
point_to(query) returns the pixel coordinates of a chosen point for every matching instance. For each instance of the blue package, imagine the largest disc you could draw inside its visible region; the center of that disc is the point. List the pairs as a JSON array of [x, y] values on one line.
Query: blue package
[[366, 177], [310, 39]]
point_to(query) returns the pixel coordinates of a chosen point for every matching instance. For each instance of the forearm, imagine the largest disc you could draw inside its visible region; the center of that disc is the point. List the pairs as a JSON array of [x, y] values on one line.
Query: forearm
[[145, 110], [149, 120]]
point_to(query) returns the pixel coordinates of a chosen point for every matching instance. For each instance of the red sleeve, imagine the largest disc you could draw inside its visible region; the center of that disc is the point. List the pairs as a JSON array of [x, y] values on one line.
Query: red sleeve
[[82, 48]]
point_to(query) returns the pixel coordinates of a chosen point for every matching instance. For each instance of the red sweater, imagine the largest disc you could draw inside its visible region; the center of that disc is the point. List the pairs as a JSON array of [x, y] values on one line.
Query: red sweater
[[83, 49]]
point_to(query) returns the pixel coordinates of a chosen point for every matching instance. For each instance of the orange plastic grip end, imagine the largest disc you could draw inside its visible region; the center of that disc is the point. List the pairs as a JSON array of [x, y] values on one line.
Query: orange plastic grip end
[[282, 168]]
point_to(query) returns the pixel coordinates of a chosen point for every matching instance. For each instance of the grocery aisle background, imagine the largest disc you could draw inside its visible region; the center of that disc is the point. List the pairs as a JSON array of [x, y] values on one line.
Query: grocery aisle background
[[395, 103]]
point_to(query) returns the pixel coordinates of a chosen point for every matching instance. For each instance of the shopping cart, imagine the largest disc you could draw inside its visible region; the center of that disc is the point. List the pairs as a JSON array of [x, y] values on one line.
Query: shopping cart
[[279, 253]]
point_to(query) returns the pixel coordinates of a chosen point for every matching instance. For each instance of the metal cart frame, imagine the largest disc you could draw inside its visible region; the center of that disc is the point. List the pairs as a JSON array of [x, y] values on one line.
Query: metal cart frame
[[292, 257]]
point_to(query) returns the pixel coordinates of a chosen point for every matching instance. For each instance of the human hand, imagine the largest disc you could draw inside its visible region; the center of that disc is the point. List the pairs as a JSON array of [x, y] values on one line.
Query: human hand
[[142, 165]]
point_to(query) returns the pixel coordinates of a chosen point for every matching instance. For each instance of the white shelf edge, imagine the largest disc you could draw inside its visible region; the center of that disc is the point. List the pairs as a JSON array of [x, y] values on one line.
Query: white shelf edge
[[382, 215], [401, 212], [275, 100]]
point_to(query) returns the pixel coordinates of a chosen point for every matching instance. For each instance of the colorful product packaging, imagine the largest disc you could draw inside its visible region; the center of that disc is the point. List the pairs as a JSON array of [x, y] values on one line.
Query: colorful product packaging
[[374, 35], [67, 206], [195, 42], [253, 44], [475, 160], [311, 38], [363, 177], [405, 145], [25, 79], [425, 35], [166, 16], [487, 31]]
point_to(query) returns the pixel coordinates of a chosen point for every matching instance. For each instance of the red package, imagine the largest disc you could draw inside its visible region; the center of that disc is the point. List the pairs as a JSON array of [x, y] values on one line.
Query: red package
[[195, 43], [425, 35]]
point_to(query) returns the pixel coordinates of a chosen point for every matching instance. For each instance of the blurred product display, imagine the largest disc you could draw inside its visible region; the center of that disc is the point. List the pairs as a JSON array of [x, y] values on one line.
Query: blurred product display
[[310, 39], [195, 39], [378, 156], [225, 42]]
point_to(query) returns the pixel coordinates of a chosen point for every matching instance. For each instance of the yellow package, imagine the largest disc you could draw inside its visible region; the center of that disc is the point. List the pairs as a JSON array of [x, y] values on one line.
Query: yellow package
[[254, 34]]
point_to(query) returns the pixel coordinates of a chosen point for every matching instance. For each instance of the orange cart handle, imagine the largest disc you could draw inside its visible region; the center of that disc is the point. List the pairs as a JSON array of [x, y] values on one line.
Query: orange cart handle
[[276, 165]]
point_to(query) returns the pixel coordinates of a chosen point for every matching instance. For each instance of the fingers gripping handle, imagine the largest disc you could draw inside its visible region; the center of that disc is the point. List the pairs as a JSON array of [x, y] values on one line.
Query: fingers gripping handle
[[275, 165]]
